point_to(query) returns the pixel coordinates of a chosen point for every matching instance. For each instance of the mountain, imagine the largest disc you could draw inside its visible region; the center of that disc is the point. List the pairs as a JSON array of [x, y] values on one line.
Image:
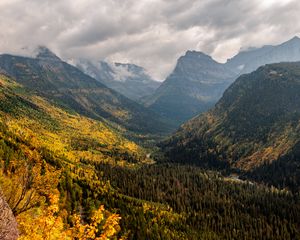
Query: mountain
[[196, 83], [66, 85], [250, 60], [128, 79], [255, 124]]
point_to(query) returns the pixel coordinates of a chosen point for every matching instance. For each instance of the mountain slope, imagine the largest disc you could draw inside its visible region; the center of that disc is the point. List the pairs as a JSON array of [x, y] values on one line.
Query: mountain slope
[[256, 122], [194, 86], [66, 85], [47, 173], [48, 126], [128, 79]]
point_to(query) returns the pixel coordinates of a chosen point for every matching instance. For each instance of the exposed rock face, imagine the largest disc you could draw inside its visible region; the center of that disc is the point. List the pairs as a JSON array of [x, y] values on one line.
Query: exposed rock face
[[8, 224]]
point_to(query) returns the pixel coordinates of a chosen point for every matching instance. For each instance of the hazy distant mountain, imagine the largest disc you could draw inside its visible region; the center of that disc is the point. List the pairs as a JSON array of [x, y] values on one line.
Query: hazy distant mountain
[[256, 124], [63, 83], [129, 79], [238, 62], [196, 83], [250, 60]]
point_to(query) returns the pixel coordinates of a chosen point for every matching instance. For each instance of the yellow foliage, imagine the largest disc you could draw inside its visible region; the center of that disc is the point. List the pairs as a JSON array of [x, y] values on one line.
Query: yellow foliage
[[97, 137], [25, 186], [43, 223], [30, 184], [109, 226]]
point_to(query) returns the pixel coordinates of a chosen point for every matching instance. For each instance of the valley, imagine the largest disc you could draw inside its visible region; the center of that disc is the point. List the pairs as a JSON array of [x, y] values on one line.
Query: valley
[[86, 162]]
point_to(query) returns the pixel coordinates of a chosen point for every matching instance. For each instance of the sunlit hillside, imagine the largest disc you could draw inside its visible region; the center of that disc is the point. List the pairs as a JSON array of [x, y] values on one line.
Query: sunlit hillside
[[44, 149]]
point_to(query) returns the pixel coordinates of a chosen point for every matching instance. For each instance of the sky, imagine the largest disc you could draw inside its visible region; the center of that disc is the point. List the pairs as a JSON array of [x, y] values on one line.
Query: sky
[[149, 33]]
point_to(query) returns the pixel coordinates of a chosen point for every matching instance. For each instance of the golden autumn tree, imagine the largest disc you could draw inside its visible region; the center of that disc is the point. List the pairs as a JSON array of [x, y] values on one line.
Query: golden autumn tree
[[103, 226], [43, 223], [27, 183]]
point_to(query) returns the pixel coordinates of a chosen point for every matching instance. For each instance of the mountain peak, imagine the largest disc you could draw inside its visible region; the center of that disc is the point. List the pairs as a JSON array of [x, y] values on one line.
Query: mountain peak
[[296, 38], [295, 41], [45, 53], [197, 54], [195, 57]]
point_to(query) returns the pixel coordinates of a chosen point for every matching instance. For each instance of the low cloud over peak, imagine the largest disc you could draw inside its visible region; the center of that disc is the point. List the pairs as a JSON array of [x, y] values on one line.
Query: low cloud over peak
[[151, 33]]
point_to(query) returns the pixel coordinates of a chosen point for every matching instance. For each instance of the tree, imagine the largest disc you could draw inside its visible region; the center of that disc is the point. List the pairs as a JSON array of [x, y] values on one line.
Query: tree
[[103, 226]]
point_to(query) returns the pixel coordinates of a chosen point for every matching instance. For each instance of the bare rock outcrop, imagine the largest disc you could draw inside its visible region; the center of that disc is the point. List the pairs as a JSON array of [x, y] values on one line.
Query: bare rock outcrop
[[8, 224]]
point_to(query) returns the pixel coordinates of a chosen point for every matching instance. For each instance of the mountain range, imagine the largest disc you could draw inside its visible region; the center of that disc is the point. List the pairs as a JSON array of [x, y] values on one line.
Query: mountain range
[[198, 81], [195, 85], [69, 87]]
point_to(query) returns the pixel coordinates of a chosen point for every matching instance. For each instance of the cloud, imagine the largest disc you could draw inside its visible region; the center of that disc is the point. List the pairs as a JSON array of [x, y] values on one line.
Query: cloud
[[151, 33]]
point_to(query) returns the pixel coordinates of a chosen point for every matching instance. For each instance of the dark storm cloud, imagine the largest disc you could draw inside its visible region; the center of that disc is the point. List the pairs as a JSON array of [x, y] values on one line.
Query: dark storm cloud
[[152, 33]]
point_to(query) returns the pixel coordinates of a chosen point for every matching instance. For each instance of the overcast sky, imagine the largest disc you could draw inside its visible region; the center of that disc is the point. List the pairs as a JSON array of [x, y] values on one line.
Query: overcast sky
[[150, 33]]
